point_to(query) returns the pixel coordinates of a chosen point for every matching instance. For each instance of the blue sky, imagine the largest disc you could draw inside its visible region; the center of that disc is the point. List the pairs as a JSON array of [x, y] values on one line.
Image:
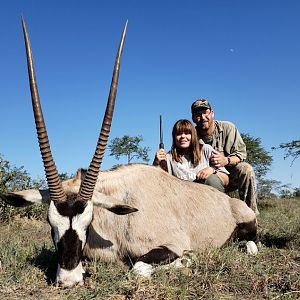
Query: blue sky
[[244, 56]]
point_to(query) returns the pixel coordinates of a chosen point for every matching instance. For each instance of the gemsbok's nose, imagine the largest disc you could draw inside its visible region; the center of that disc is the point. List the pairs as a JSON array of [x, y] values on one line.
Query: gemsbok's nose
[[69, 278]]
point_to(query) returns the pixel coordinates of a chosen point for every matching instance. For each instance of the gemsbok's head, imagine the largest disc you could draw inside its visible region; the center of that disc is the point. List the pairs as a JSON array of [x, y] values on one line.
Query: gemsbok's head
[[70, 214]]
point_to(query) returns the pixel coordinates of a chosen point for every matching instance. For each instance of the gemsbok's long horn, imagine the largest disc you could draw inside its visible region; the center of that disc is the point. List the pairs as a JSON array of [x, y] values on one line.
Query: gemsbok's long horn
[[54, 183], [87, 186]]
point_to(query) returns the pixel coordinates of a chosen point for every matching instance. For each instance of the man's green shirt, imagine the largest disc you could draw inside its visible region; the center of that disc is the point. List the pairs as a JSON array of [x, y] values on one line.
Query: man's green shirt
[[226, 139]]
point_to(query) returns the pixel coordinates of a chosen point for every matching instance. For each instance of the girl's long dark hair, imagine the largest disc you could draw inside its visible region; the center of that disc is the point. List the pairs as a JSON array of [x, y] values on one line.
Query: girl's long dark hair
[[194, 151]]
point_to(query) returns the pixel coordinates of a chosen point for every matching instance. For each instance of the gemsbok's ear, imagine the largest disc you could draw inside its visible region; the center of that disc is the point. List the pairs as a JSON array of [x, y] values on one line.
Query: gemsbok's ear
[[26, 197], [112, 204]]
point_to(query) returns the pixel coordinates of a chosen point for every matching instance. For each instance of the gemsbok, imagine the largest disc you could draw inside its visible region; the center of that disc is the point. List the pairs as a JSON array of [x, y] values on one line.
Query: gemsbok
[[137, 213]]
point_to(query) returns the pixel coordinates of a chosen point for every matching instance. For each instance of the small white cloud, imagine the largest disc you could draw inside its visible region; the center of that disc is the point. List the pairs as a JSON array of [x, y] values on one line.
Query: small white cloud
[[231, 50]]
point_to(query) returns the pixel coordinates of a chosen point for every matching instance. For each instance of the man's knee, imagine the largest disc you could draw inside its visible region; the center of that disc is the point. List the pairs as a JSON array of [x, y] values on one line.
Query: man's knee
[[245, 169], [240, 175]]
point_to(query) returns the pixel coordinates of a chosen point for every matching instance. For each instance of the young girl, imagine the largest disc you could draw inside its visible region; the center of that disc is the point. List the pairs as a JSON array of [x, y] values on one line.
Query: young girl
[[189, 160]]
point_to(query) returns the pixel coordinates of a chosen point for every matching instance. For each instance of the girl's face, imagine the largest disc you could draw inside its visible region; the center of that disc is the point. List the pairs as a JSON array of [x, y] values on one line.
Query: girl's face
[[183, 140]]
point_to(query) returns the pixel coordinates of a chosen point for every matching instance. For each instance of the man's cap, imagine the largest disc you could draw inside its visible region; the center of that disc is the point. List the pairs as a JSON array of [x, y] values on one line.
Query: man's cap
[[200, 104]]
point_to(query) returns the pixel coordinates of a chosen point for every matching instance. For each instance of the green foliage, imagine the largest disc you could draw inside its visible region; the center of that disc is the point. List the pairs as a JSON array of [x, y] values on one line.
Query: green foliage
[[130, 147], [286, 191], [65, 176], [12, 178], [266, 188], [15, 179], [257, 156], [297, 192], [292, 149]]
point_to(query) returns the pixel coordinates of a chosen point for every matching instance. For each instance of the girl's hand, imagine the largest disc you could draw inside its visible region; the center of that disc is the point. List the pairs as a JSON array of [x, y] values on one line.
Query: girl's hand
[[159, 156], [204, 173]]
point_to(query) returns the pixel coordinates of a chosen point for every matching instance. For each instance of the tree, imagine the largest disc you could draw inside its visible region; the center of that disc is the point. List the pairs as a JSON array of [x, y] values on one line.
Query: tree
[[285, 191], [257, 156], [65, 176], [292, 149], [297, 192], [130, 147], [266, 188], [12, 178], [15, 179]]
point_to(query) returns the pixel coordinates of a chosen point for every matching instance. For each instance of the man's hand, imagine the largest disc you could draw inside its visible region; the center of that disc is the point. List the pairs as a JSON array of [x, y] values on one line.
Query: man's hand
[[204, 173], [218, 160]]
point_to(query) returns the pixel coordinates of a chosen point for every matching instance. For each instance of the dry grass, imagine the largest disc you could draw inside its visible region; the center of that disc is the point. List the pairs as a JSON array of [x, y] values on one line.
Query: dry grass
[[28, 265]]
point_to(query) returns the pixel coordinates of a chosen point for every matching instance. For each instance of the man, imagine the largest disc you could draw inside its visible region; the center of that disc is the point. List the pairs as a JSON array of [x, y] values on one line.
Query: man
[[229, 151]]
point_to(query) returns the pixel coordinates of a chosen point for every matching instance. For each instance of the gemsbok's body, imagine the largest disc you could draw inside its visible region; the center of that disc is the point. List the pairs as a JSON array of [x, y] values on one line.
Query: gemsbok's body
[[135, 213]]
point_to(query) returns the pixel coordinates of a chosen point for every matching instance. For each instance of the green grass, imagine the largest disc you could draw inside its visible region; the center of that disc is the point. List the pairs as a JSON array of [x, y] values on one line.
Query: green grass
[[28, 266]]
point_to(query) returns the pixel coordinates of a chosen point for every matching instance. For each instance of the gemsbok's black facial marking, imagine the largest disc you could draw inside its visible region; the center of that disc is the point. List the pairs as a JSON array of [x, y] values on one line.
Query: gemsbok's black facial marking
[[69, 221], [69, 250], [52, 234], [161, 254], [71, 207]]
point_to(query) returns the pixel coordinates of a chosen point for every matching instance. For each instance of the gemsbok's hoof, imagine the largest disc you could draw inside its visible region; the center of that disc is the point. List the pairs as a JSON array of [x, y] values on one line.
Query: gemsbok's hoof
[[251, 248], [142, 269]]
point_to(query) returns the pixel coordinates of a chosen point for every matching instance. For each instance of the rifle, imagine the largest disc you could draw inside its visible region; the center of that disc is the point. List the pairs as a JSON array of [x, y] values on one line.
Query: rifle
[[163, 163]]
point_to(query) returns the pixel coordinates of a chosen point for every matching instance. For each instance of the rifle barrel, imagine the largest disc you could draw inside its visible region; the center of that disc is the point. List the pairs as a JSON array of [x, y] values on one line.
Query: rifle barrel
[[163, 164], [161, 144]]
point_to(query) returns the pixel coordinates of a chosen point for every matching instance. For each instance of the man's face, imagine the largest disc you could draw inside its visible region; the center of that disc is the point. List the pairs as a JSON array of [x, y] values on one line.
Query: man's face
[[203, 118]]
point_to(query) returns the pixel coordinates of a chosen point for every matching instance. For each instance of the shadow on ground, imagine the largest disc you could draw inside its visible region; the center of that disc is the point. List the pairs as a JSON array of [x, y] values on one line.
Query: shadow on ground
[[47, 262], [280, 242]]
